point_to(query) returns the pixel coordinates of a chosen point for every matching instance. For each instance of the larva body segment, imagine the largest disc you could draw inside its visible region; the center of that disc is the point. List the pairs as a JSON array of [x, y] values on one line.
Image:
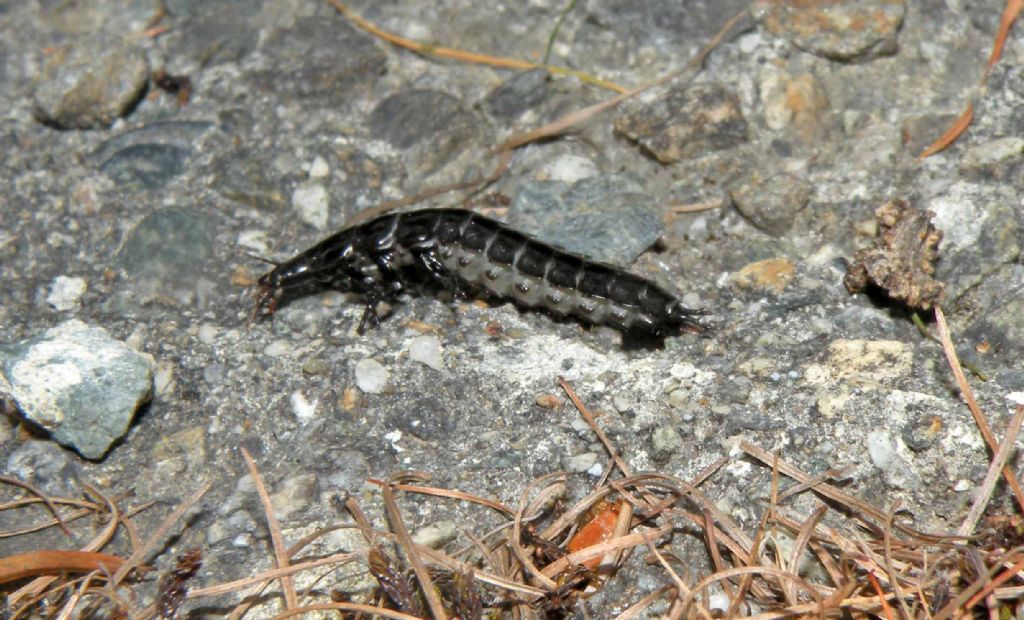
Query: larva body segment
[[464, 252]]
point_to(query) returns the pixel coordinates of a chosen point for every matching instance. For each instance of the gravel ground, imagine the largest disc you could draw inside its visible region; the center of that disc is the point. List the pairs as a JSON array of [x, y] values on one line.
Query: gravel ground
[[133, 213]]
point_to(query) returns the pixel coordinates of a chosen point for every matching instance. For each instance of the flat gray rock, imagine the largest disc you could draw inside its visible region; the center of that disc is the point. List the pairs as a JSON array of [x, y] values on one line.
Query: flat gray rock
[[78, 383]]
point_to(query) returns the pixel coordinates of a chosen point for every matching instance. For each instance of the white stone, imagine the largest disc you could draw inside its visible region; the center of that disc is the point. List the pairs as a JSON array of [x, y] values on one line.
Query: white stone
[[312, 203], [301, 407], [66, 293], [568, 168], [426, 350], [371, 376], [318, 169]]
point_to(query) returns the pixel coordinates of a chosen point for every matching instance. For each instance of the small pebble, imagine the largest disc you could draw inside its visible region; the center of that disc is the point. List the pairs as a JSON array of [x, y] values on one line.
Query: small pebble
[[66, 293], [371, 376], [718, 602], [568, 168], [214, 374], [580, 462], [665, 440], [312, 203], [294, 494], [301, 407], [255, 240], [436, 535], [426, 350], [881, 449], [277, 348], [318, 169], [548, 401], [316, 367], [207, 333]]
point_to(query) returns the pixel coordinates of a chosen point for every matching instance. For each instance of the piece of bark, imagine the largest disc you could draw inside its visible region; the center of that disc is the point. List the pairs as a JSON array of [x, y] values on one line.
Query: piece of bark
[[901, 261]]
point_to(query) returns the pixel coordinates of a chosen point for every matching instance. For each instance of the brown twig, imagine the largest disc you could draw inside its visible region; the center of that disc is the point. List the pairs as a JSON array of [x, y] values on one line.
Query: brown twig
[[411, 554], [42, 497], [463, 56], [968, 395], [291, 599], [995, 471]]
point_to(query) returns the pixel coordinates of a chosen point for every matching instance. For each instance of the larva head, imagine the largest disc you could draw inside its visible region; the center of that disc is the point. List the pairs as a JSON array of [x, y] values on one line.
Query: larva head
[[684, 319], [284, 280], [322, 267]]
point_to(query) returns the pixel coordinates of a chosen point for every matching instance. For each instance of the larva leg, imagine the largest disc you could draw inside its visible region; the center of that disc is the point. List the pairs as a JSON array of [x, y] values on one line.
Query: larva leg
[[445, 279]]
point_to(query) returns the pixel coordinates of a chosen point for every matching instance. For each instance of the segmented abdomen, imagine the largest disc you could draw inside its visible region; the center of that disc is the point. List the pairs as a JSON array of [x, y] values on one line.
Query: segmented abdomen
[[457, 248]]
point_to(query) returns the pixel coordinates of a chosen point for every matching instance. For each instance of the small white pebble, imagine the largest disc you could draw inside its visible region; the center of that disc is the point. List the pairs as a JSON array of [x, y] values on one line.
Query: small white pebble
[[596, 470], [319, 169], [301, 407], [568, 168], [881, 448], [207, 333], [436, 535], [312, 203], [718, 601], [277, 348], [962, 485], [426, 350], [66, 293], [394, 437], [163, 380], [255, 240], [371, 376]]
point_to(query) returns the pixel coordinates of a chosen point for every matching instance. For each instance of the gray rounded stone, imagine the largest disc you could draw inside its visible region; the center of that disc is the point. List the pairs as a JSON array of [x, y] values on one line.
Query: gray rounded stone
[[90, 84]]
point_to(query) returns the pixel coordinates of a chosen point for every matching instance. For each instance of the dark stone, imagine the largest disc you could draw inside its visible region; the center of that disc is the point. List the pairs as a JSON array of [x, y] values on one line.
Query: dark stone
[[430, 127], [149, 157], [168, 247], [147, 165], [518, 94], [46, 466], [772, 203], [320, 61], [613, 29]]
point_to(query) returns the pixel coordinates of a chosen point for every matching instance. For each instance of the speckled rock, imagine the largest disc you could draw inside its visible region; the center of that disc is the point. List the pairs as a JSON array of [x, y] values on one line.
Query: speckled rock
[[770, 203], [90, 83], [839, 29], [981, 226], [685, 122], [79, 384], [609, 218]]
